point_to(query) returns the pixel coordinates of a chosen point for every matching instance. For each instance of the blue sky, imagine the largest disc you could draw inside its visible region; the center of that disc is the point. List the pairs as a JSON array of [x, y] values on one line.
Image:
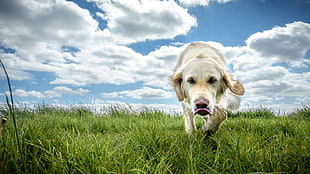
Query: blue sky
[[102, 53]]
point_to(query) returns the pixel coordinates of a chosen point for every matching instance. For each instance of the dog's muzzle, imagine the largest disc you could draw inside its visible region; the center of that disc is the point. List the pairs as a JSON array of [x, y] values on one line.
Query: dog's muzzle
[[202, 107]]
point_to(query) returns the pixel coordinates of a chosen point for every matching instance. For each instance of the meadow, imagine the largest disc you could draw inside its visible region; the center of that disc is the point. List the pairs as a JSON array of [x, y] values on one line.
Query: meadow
[[75, 140]]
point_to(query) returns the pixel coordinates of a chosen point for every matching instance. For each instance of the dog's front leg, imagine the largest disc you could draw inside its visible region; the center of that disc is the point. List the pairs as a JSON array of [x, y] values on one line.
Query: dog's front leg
[[189, 118], [214, 121]]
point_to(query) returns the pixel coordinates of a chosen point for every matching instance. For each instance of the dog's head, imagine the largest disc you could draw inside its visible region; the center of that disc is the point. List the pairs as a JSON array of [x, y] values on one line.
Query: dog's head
[[201, 82]]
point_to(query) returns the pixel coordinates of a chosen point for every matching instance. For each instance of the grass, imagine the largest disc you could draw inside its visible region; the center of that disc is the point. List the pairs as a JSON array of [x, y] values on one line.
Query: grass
[[56, 140]]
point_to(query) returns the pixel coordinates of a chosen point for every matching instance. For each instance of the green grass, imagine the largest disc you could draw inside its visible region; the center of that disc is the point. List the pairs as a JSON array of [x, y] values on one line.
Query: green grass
[[78, 141]]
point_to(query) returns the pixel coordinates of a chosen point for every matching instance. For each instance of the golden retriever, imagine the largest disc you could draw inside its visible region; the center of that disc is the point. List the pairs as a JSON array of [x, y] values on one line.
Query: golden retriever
[[200, 80]]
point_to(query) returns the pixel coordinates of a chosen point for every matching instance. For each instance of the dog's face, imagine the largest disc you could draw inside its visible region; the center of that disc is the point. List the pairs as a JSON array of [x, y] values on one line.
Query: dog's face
[[201, 83]]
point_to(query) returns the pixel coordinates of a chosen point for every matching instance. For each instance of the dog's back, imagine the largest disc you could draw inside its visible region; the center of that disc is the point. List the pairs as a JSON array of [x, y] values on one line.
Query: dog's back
[[199, 50]]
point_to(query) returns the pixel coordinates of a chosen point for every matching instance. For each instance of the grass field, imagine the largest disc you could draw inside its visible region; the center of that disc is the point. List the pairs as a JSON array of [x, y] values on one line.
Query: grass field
[[56, 140]]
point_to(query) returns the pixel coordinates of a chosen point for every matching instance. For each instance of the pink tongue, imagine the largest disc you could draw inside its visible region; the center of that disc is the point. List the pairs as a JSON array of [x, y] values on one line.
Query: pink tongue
[[202, 111]]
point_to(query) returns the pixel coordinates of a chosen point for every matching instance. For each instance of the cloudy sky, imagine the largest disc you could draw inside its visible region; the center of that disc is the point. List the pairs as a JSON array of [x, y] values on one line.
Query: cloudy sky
[[100, 53]]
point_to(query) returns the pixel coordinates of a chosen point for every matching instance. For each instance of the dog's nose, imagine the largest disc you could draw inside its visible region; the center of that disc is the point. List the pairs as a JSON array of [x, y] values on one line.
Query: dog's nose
[[201, 103]]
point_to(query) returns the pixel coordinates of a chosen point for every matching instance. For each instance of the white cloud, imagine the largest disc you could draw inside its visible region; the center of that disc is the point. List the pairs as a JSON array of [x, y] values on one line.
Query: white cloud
[[109, 95], [37, 22], [306, 76], [272, 73], [192, 3], [266, 65], [286, 44], [157, 66], [143, 93], [136, 20], [110, 64], [23, 93], [303, 100], [280, 109], [148, 93], [61, 90], [261, 99], [42, 37], [36, 36], [280, 44], [266, 79]]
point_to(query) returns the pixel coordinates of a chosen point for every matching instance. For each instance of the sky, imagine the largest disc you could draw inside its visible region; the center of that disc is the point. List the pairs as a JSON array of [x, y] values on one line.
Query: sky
[[100, 53]]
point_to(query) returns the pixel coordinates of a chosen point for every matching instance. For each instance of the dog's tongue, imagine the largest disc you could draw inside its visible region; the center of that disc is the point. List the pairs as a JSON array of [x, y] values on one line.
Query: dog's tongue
[[202, 111]]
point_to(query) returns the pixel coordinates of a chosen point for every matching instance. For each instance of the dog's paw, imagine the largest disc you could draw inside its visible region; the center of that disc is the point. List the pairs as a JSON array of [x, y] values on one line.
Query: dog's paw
[[219, 115], [214, 121]]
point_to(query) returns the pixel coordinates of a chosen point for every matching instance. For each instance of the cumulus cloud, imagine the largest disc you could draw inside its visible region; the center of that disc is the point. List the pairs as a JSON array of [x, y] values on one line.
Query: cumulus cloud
[[143, 93], [158, 65], [46, 24], [267, 65], [286, 44], [23, 93], [36, 31], [110, 64], [147, 93], [61, 90], [271, 73], [192, 3], [55, 92], [61, 38], [132, 21], [109, 95], [261, 99]]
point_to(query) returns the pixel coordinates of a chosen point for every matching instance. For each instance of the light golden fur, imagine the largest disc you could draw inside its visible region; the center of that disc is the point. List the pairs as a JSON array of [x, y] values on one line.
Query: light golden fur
[[201, 73]]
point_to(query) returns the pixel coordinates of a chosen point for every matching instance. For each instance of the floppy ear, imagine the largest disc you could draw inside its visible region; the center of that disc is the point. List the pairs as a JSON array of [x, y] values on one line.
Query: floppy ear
[[176, 80], [235, 86]]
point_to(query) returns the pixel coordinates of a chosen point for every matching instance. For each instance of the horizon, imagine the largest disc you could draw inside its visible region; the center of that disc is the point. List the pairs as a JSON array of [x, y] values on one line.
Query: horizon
[[119, 53]]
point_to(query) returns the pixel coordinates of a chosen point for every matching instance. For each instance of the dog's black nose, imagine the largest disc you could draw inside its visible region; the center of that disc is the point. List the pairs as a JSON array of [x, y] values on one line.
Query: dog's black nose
[[201, 103]]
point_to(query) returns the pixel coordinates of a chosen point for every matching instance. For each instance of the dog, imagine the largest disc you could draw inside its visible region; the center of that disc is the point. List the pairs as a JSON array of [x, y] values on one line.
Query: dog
[[205, 86], [3, 121]]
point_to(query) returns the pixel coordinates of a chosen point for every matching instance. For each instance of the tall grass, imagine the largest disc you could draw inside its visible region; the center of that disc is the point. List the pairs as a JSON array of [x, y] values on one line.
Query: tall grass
[[56, 140], [10, 104]]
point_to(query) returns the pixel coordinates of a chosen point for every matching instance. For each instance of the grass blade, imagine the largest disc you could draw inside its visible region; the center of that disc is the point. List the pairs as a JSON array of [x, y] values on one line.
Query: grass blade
[[11, 106]]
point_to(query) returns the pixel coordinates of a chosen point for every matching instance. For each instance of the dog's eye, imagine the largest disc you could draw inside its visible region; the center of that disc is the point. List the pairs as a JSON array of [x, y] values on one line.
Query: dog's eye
[[212, 80], [191, 81]]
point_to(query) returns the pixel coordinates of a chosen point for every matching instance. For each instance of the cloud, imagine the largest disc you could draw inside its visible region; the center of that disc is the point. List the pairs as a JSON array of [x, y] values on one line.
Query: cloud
[[109, 95], [267, 65], [109, 64], [23, 93], [192, 3], [303, 100], [272, 73], [36, 22], [259, 67], [55, 92], [61, 90], [143, 93], [277, 82], [261, 99], [132, 21], [157, 66], [61, 38], [148, 93], [285, 44], [36, 31]]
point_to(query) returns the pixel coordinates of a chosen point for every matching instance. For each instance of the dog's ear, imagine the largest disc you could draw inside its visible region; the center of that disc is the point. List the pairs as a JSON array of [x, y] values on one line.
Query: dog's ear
[[177, 80], [235, 86]]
